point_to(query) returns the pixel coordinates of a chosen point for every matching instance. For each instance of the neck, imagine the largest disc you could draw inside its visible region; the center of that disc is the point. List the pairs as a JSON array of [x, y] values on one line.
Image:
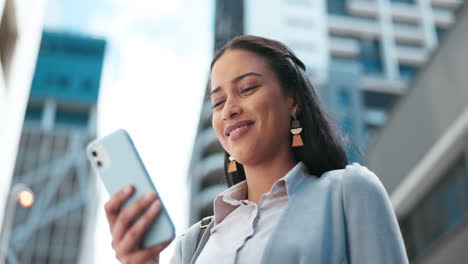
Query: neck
[[260, 177]]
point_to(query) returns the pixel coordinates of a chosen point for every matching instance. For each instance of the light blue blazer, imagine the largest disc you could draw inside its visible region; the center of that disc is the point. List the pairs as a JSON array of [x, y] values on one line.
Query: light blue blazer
[[345, 216]]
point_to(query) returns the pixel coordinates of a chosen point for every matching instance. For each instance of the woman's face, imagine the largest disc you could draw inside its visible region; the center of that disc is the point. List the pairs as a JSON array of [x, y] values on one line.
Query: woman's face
[[251, 112]]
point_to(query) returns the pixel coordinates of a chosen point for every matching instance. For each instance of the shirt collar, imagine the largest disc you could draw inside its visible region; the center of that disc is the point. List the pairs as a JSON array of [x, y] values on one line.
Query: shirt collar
[[231, 198], [295, 177], [228, 200]]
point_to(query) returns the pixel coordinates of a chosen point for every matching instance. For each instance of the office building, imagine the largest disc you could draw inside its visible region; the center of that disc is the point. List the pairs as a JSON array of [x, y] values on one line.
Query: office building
[[60, 120], [421, 154]]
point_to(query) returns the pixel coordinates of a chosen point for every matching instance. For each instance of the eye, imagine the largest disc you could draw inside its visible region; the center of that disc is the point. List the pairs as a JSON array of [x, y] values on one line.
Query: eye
[[217, 104], [249, 89]]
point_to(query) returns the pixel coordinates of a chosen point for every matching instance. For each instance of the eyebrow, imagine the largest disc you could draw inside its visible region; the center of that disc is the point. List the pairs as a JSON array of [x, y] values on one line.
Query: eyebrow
[[237, 79]]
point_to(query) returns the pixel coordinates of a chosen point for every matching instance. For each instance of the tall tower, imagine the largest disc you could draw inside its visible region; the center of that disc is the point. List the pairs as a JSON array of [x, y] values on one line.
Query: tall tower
[[60, 120], [206, 172], [229, 21]]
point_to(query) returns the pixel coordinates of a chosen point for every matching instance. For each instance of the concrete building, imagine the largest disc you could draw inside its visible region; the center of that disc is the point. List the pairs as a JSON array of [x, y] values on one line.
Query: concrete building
[[374, 46], [421, 154], [206, 176], [360, 54], [60, 120], [20, 34]]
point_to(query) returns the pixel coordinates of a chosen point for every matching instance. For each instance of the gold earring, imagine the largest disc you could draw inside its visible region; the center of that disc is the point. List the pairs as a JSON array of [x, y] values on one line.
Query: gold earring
[[232, 165], [296, 130]]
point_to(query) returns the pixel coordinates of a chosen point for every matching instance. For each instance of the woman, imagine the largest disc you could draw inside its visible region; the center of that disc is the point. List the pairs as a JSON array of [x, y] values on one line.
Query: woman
[[292, 197]]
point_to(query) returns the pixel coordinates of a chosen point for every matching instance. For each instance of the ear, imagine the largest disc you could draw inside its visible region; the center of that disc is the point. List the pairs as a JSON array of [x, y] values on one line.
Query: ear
[[293, 105]]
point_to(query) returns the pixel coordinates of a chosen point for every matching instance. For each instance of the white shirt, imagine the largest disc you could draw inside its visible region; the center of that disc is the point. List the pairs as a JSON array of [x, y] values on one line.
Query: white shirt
[[242, 228]]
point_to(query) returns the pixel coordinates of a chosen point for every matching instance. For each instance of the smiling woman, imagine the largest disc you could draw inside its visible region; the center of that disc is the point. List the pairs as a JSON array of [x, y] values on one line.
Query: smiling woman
[[284, 90], [292, 196]]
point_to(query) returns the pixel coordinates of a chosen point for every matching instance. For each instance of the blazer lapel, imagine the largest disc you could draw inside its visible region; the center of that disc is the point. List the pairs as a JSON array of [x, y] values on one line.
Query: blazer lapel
[[291, 209]]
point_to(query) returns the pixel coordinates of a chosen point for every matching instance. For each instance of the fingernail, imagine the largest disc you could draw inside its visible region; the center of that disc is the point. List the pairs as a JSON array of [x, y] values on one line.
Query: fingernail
[[150, 195], [128, 189], [155, 206]]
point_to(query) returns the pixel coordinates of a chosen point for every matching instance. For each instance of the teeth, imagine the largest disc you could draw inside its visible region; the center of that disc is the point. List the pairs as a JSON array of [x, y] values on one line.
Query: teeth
[[237, 130]]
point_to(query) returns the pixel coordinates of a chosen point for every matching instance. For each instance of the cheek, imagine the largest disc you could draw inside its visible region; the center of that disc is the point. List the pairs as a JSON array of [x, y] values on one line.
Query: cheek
[[216, 122], [275, 114]]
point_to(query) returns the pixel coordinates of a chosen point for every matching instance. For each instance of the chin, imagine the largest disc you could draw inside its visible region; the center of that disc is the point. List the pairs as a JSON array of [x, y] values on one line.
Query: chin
[[247, 156]]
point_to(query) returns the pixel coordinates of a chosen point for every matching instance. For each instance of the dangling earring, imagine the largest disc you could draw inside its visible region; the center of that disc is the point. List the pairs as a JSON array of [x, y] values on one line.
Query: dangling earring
[[296, 130], [232, 165]]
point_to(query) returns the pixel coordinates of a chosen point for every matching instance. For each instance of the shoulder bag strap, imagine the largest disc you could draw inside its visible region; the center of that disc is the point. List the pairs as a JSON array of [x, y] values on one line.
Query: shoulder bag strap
[[204, 223]]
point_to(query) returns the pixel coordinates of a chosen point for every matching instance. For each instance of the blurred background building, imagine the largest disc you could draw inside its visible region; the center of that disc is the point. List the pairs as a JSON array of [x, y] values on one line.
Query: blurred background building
[[206, 171], [60, 120], [421, 154], [361, 54], [20, 34]]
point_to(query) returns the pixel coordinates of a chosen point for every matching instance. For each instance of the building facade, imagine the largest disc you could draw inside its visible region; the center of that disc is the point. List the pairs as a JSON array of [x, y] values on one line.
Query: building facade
[[360, 54], [20, 34], [60, 120], [388, 40], [421, 154]]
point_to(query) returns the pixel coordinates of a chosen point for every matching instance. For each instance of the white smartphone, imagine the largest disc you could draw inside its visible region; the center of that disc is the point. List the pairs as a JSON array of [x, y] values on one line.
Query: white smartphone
[[116, 161]]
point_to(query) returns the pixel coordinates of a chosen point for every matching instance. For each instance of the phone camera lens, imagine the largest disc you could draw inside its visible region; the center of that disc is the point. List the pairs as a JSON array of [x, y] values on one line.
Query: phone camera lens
[[94, 153], [99, 164]]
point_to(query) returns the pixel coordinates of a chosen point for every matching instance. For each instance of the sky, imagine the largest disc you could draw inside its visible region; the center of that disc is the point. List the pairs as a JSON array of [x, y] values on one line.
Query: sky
[[155, 70]]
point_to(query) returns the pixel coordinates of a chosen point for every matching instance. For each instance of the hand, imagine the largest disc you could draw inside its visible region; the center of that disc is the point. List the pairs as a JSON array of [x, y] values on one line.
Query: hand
[[126, 232]]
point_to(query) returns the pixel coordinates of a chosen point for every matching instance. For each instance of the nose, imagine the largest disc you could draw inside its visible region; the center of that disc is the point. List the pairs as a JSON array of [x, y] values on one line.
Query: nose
[[231, 109]]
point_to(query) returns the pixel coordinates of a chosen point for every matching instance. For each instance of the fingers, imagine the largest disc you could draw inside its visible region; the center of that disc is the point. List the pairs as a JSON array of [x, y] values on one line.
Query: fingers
[[133, 235], [130, 213], [112, 207], [148, 254], [126, 232]]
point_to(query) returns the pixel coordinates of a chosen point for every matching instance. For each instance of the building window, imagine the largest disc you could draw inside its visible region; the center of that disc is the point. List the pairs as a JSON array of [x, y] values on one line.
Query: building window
[[336, 7], [48, 81], [406, 45], [87, 85], [212, 178], [439, 212], [339, 60], [407, 72], [67, 118], [378, 100], [405, 24], [403, 1], [78, 49], [212, 149], [344, 97], [370, 58], [440, 32], [33, 113], [47, 47], [63, 82]]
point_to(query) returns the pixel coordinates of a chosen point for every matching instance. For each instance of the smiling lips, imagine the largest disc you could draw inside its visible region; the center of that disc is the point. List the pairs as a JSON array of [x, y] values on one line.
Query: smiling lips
[[238, 129]]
